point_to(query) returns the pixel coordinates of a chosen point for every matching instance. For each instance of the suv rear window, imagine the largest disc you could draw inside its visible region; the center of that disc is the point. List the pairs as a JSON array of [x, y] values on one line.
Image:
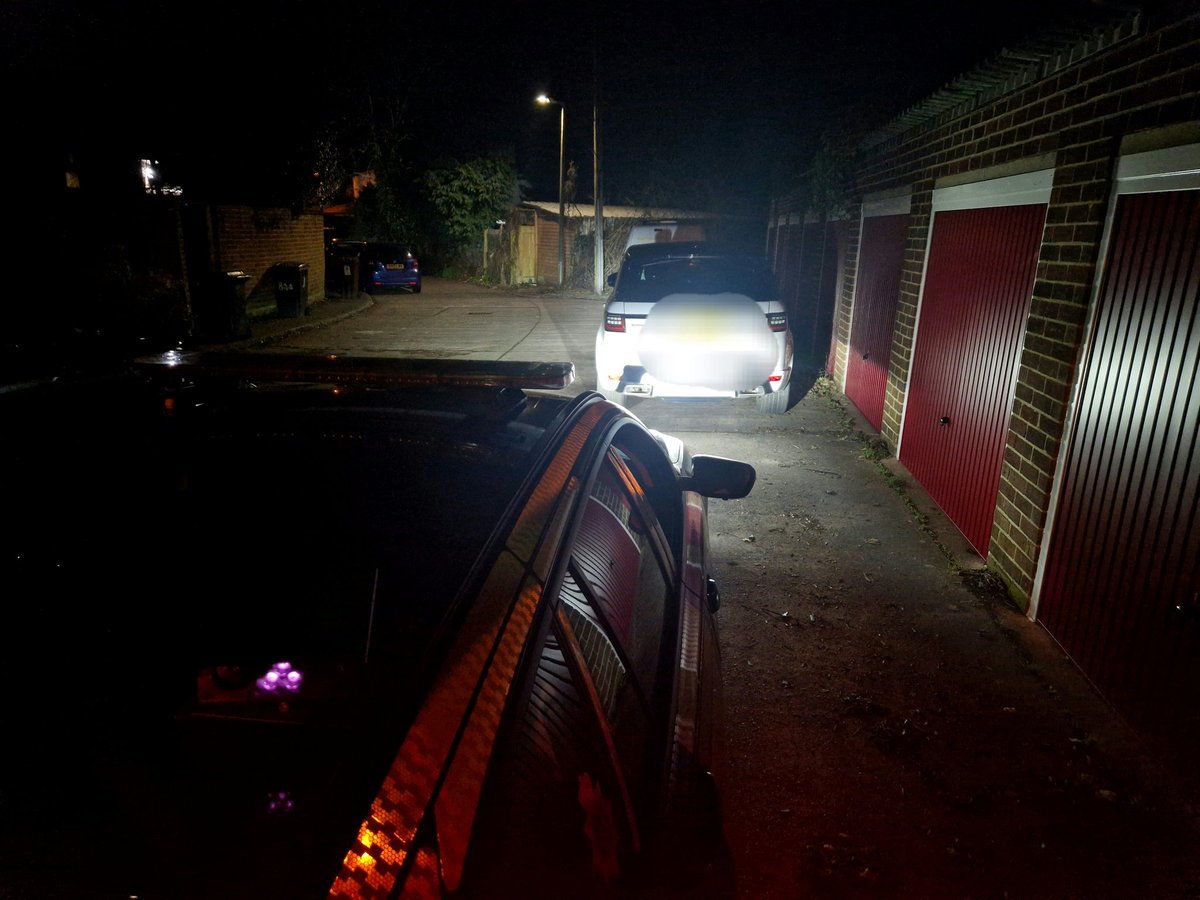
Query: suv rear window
[[650, 280]]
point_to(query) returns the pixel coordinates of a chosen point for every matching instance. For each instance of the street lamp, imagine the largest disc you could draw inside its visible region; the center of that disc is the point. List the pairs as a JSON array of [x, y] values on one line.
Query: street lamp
[[598, 242], [562, 211]]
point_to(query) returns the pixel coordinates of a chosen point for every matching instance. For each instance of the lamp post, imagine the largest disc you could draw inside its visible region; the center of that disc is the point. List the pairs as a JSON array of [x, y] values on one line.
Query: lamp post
[[598, 239], [562, 212]]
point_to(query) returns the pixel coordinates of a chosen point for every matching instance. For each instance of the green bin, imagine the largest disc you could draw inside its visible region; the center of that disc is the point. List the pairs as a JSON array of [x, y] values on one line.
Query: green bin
[[342, 273], [221, 315]]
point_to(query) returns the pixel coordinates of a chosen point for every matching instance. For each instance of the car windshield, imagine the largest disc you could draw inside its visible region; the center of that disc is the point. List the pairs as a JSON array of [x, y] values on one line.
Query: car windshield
[[343, 550], [271, 528], [651, 280]]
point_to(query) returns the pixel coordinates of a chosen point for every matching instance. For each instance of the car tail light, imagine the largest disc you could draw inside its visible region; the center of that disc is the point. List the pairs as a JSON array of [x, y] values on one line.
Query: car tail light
[[413, 264], [777, 321], [614, 322]]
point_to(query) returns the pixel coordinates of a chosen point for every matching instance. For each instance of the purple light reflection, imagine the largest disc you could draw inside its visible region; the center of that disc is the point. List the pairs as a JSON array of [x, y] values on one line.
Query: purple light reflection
[[281, 678]]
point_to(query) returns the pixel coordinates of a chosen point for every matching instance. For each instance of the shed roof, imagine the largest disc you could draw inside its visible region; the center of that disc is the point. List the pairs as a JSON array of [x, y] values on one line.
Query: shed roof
[[588, 211]]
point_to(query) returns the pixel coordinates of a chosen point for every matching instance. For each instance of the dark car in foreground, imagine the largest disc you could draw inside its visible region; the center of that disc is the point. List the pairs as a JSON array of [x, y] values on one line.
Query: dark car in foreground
[[284, 626]]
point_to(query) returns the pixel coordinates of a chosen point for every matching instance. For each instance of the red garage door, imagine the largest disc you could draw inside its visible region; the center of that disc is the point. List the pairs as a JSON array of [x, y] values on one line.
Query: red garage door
[[1122, 572], [881, 257], [970, 329]]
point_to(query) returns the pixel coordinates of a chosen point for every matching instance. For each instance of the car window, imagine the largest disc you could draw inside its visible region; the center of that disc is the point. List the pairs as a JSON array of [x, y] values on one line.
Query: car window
[[553, 768], [651, 280], [617, 563], [656, 480], [597, 684]]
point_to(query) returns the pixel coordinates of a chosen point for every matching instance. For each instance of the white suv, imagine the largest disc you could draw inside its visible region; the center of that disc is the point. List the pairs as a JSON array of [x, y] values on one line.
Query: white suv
[[686, 320]]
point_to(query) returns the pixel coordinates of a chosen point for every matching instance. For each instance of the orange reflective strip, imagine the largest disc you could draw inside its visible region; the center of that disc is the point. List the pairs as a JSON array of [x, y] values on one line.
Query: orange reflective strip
[[528, 532], [458, 799], [422, 881], [459, 796], [374, 862]]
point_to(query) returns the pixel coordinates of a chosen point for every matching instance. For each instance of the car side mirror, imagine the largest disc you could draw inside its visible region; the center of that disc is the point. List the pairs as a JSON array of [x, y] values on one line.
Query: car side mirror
[[611, 279], [719, 477]]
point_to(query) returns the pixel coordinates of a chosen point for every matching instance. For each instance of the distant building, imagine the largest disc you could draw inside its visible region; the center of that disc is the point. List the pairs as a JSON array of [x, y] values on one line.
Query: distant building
[[523, 248]]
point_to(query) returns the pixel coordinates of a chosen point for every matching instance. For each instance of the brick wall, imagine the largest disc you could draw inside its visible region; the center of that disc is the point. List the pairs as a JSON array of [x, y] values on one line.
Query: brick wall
[[253, 240], [850, 238], [1138, 76]]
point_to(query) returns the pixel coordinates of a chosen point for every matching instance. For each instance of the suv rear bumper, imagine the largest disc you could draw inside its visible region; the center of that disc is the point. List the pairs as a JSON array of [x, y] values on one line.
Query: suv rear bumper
[[636, 382]]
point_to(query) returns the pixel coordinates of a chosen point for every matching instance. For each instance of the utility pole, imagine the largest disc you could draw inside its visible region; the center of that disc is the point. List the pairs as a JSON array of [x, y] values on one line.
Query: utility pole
[[546, 100], [597, 204], [562, 210]]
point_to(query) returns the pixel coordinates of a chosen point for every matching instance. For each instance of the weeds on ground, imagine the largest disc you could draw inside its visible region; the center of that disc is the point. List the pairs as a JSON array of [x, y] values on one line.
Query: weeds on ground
[[823, 387], [984, 583], [876, 449]]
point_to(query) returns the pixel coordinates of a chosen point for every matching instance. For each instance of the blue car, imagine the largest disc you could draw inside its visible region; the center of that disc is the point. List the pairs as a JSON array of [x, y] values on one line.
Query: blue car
[[390, 267]]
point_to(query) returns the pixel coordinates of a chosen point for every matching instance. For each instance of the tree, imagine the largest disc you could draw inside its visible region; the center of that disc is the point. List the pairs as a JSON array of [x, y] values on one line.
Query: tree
[[393, 209], [829, 174], [330, 171], [466, 198]]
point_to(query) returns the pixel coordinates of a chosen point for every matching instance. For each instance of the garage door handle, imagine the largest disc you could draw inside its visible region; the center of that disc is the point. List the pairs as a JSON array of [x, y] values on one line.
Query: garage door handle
[[944, 420]]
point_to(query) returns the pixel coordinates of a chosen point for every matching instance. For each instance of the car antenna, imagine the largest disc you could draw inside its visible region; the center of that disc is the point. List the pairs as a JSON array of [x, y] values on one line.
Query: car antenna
[[371, 617]]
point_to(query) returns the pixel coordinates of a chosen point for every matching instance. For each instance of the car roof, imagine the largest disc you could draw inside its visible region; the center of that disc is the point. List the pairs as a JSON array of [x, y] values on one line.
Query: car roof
[[386, 245], [669, 250], [381, 246]]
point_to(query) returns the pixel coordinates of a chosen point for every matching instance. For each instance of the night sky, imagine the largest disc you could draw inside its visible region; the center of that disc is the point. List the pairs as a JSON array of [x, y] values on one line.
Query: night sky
[[731, 96]]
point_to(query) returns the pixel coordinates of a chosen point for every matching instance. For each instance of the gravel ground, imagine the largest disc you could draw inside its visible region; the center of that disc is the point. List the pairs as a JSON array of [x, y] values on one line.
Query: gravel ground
[[896, 728]]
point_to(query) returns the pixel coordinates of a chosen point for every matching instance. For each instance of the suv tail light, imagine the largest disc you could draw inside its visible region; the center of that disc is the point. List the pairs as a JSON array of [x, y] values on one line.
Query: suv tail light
[[777, 321], [614, 322]]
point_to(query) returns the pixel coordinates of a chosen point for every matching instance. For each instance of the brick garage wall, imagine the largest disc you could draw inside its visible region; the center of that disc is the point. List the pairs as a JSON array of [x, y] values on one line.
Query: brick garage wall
[[1147, 79], [850, 243], [253, 240], [784, 251]]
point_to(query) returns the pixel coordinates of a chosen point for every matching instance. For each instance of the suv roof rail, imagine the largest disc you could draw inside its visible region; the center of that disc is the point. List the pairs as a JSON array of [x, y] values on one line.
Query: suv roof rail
[[360, 370]]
